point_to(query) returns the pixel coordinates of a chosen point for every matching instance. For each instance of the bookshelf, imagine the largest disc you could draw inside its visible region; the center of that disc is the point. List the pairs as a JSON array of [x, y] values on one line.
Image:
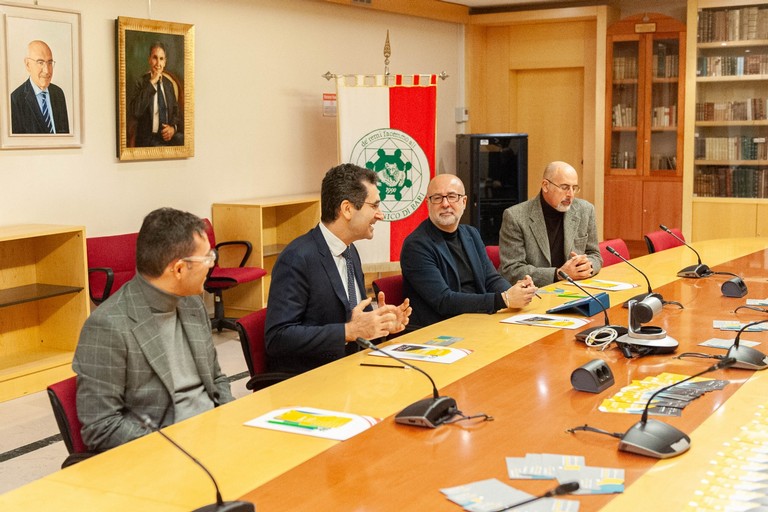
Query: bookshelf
[[269, 223], [43, 304], [730, 156], [645, 93]]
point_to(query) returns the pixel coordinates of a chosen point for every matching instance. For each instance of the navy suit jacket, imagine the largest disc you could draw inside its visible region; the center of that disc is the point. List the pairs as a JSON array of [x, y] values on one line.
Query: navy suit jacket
[[307, 306], [431, 279], [141, 107], [26, 116]]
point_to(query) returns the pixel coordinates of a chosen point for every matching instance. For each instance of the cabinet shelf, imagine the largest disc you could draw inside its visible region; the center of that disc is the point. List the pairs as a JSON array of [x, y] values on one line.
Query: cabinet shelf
[[730, 78], [624, 128], [729, 163], [708, 124], [33, 292], [719, 45]]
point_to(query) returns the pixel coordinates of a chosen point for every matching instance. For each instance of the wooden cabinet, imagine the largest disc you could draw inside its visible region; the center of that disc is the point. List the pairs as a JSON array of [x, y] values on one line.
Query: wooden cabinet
[[269, 223], [730, 166], [644, 125], [43, 305]]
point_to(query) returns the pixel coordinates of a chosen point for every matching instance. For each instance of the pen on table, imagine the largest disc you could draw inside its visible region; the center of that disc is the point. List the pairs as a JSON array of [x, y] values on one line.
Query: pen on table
[[293, 424], [382, 365]]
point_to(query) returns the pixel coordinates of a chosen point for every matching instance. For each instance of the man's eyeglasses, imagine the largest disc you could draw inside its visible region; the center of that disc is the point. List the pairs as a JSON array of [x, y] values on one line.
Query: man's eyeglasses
[[209, 259], [40, 62], [566, 188], [375, 206], [438, 198]]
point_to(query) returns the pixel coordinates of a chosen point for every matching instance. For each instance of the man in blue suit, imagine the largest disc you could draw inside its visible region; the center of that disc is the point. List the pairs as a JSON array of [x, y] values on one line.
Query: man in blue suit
[[446, 270], [317, 304], [37, 105]]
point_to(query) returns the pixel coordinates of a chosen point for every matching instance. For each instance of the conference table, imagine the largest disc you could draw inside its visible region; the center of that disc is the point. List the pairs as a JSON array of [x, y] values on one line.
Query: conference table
[[518, 374]]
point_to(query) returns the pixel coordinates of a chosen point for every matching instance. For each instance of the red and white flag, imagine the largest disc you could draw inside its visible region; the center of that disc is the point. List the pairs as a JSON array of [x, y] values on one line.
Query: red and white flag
[[387, 124]]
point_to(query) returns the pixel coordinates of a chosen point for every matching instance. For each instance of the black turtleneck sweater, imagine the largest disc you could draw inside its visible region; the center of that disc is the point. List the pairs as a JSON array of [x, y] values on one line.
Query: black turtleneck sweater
[[554, 221]]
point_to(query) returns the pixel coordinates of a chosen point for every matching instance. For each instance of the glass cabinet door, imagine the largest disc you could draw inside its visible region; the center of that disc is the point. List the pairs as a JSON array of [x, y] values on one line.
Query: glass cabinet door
[[624, 104], [664, 94]]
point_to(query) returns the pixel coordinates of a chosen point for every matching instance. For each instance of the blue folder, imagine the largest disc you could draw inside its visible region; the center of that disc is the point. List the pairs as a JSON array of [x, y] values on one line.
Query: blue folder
[[586, 306]]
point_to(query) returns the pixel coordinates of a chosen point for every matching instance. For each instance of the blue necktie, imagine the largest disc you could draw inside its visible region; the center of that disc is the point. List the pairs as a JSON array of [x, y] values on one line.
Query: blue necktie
[[162, 108], [351, 295], [46, 113]]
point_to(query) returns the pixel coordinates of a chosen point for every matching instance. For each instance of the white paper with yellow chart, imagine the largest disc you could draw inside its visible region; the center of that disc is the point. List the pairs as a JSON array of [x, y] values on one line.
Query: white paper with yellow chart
[[314, 422], [430, 353]]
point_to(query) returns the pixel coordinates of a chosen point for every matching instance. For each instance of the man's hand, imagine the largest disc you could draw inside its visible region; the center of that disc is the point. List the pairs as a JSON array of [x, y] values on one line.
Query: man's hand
[[577, 267], [521, 294], [384, 320], [167, 132]]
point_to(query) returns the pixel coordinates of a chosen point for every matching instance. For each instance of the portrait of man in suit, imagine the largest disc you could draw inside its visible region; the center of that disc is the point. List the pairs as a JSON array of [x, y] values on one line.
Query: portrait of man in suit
[[37, 105]]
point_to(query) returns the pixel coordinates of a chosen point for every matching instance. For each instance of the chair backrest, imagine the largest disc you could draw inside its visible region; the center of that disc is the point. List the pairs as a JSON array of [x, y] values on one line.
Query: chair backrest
[[493, 253], [63, 396], [661, 240], [209, 232], [117, 252], [251, 330], [392, 286], [615, 243]]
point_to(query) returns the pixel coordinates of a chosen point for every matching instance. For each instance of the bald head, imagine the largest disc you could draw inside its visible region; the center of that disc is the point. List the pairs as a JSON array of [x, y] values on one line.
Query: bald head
[[39, 63], [446, 214], [559, 175]]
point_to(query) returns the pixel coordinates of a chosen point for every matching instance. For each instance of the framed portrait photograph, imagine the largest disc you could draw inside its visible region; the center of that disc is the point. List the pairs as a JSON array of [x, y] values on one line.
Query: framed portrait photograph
[[155, 89], [41, 87]]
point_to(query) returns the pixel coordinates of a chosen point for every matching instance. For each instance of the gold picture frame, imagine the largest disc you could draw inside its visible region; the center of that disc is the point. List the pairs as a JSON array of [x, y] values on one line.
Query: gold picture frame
[[141, 134], [40, 49]]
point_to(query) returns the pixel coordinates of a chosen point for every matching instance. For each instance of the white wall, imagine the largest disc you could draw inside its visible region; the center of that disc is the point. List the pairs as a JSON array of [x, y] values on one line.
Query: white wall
[[259, 129]]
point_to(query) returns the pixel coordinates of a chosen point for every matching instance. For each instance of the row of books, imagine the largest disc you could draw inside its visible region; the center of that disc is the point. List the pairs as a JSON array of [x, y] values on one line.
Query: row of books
[[728, 65], [665, 66], [663, 162], [751, 109], [739, 147], [734, 24], [623, 160], [731, 182], [625, 68], [664, 116], [624, 116]]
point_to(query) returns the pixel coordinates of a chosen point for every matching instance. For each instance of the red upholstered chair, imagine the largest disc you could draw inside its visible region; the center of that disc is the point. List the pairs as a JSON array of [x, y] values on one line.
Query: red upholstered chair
[[493, 253], [392, 286], [223, 278], [661, 240], [63, 401], [111, 264], [251, 330], [615, 243]]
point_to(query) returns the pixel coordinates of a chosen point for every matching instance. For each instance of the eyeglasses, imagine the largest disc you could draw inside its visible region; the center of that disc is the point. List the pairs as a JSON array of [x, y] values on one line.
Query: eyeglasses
[[209, 259], [566, 188], [40, 62], [453, 197], [375, 206]]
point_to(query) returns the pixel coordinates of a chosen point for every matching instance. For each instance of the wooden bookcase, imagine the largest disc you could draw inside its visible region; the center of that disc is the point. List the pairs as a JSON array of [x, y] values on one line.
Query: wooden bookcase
[[730, 155], [645, 91], [43, 305], [269, 223]]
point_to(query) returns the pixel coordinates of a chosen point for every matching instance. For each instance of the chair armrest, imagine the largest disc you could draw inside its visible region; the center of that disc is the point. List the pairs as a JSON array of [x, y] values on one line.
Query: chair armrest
[[264, 380], [245, 243], [107, 291], [74, 458]]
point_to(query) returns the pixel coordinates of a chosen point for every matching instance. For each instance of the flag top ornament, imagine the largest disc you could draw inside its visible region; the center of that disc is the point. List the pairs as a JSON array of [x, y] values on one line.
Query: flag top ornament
[[387, 123]]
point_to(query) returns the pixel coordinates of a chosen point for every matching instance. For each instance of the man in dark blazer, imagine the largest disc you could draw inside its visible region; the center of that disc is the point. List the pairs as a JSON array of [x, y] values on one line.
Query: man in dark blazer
[[446, 271], [148, 350], [316, 310], [38, 96], [154, 105], [553, 231]]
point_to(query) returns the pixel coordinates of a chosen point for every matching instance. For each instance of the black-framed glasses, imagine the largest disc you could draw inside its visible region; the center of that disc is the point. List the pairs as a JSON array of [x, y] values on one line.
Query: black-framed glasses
[[566, 188], [40, 62], [453, 197], [209, 259]]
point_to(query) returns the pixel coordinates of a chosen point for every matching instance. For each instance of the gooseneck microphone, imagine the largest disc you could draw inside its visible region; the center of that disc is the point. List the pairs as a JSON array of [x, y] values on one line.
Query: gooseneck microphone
[[566, 488], [693, 271], [429, 412], [747, 358], [654, 438], [640, 297], [220, 505], [583, 335]]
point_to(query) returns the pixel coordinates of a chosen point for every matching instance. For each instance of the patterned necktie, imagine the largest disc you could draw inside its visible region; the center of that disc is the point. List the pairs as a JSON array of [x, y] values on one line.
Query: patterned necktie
[[351, 295], [162, 108], [46, 113]]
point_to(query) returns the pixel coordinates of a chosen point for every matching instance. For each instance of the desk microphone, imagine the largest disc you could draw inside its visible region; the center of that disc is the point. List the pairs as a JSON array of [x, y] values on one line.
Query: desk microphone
[[694, 271], [654, 438], [638, 298], [429, 412], [747, 358], [220, 505], [583, 335], [566, 488]]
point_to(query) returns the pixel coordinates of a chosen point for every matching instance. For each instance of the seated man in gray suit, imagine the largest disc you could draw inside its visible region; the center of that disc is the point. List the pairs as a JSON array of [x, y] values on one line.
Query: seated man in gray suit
[[553, 231], [148, 349]]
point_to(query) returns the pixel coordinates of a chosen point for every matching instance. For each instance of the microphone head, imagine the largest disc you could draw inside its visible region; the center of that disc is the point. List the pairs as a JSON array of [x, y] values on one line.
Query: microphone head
[[566, 488], [364, 343], [563, 275], [664, 228], [611, 250]]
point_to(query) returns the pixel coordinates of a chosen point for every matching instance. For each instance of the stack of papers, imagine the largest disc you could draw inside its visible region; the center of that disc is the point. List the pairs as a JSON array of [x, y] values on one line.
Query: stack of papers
[[492, 495], [567, 468]]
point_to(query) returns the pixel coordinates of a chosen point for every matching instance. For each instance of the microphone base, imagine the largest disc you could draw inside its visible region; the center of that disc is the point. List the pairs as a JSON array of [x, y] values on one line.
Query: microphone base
[[654, 439], [428, 413], [228, 506], [695, 271], [747, 358], [665, 345], [582, 336]]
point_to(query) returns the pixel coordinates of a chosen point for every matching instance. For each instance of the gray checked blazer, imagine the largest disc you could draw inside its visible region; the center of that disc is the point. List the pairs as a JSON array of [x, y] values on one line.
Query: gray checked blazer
[[524, 242], [121, 364]]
